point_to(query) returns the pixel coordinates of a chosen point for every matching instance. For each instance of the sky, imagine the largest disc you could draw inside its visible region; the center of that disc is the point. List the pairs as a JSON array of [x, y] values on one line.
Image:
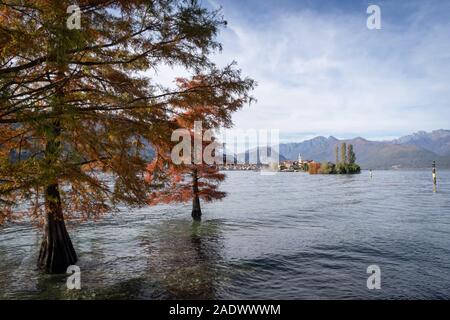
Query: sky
[[321, 71]]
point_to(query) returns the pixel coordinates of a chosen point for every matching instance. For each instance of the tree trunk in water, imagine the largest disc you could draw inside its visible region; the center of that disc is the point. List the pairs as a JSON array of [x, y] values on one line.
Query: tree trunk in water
[[196, 211], [57, 252]]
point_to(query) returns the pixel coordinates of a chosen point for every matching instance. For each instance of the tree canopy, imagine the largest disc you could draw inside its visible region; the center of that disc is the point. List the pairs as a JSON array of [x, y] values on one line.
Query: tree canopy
[[78, 108]]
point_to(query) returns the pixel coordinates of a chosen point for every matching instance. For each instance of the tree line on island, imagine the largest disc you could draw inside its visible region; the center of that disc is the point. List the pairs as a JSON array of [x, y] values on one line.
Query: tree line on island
[[418, 150], [345, 162], [79, 108]]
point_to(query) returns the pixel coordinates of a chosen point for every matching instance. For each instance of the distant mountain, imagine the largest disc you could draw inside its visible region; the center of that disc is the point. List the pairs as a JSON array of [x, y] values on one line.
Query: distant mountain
[[437, 141], [418, 150], [319, 148], [261, 154]]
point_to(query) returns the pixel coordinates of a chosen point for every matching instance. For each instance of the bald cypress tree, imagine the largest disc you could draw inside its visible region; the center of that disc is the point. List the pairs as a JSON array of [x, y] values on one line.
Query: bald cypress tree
[[79, 103]]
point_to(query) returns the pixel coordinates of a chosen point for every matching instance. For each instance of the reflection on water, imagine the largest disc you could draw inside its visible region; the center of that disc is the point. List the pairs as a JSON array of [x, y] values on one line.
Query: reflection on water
[[184, 258], [177, 259], [287, 236]]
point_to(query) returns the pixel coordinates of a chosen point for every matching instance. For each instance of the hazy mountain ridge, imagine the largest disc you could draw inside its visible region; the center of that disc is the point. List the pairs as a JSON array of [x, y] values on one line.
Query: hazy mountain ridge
[[418, 150], [259, 155], [437, 141]]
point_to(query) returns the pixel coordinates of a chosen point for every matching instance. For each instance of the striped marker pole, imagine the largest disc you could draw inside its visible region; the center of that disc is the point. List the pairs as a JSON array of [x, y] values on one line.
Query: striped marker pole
[[433, 172]]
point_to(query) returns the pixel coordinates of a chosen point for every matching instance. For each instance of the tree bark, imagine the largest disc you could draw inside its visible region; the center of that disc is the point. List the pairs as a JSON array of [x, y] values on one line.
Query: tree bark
[[57, 252], [196, 210]]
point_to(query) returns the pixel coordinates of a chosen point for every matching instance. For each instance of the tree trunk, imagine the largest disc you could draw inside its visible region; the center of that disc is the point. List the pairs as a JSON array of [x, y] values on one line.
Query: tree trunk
[[57, 252], [196, 211]]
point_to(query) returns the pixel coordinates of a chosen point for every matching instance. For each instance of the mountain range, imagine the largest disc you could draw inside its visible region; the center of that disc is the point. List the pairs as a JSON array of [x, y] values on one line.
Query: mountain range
[[417, 150]]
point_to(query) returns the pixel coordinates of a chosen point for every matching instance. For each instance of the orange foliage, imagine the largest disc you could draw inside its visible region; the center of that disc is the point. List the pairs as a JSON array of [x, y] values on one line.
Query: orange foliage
[[313, 167], [76, 110]]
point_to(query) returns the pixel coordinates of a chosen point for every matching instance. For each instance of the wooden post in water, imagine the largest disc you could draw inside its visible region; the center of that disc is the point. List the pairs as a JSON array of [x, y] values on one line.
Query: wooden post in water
[[433, 172]]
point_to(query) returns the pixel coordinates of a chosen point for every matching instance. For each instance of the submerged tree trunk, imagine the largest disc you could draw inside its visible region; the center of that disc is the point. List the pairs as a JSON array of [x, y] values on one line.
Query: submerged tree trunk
[[57, 252], [196, 211]]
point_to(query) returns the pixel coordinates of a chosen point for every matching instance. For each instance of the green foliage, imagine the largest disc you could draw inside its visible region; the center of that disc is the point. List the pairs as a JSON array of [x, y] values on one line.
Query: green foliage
[[351, 155], [347, 168], [337, 154], [327, 168], [340, 168], [353, 168], [344, 152]]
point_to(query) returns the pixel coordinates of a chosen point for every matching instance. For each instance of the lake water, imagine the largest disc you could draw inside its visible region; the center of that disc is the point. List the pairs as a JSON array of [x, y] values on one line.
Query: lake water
[[287, 236]]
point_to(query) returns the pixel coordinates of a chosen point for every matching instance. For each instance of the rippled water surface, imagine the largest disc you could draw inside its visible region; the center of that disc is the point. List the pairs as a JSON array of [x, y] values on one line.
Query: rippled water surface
[[287, 236]]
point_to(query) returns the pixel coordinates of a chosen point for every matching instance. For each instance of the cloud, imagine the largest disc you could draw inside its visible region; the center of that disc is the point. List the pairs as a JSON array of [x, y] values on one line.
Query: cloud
[[323, 71]]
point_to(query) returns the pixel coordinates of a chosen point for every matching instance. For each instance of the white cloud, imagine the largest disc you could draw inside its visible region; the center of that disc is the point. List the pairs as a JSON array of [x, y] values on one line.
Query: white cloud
[[327, 73]]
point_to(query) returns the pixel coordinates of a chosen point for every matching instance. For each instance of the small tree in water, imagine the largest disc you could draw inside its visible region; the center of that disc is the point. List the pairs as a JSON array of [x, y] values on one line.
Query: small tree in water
[[196, 177], [189, 183]]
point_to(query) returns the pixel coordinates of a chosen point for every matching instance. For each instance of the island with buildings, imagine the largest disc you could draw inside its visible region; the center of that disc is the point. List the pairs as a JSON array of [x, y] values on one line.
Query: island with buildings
[[345, 164]]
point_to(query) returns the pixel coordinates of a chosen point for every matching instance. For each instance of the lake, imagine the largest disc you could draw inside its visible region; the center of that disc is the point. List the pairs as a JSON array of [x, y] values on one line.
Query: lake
[[286, 236]]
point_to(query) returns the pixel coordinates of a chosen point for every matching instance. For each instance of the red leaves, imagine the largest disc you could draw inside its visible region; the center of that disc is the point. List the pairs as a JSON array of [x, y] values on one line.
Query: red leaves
[[95, 84], [178, 185]]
